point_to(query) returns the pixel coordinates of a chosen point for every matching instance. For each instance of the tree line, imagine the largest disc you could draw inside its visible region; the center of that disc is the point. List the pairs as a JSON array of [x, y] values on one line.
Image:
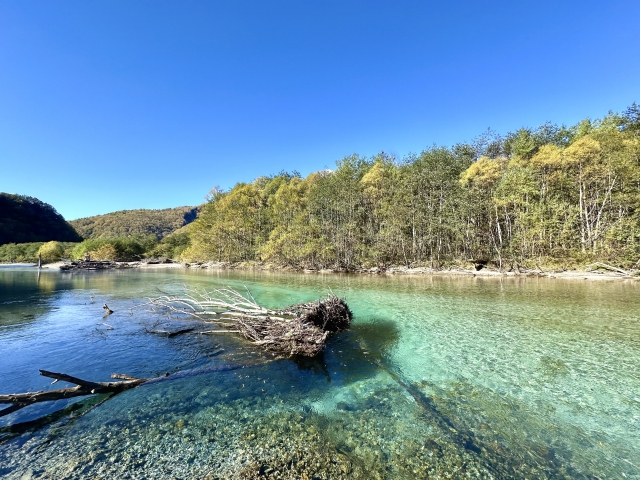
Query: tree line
[[122, 249], [30, 228], [553, 195]]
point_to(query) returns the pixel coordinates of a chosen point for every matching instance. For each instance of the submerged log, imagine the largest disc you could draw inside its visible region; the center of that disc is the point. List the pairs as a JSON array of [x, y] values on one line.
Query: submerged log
[[82, 388], [171, 334], [300, 329]]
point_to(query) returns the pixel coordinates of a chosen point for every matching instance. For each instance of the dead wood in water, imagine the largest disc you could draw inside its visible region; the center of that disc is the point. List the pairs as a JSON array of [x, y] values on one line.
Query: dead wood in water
[[89, 265], [300, 329], [85, 387], [82, 388], [171, 334]]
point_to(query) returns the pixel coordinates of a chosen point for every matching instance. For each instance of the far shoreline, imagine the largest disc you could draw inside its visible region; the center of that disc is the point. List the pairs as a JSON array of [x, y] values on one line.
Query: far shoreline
[[425, 272], [396, 271]]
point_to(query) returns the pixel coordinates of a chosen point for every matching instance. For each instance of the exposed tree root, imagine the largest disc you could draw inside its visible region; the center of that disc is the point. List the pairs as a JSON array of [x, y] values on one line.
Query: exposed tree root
[[300, 329]]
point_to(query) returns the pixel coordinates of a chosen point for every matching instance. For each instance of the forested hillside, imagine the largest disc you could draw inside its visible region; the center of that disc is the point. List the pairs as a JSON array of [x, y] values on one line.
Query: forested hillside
[[27, 219], [551, 195], [127, 223]]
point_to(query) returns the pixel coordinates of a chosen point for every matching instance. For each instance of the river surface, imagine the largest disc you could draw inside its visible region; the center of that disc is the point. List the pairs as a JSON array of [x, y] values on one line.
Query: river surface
[[439, 377]]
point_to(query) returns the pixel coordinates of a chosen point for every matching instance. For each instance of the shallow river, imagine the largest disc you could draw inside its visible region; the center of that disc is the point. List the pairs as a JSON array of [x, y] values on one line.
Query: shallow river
[[439, 377]]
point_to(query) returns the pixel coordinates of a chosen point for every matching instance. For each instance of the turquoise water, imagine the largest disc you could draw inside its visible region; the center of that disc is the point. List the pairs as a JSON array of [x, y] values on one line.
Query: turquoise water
[[439, 377]]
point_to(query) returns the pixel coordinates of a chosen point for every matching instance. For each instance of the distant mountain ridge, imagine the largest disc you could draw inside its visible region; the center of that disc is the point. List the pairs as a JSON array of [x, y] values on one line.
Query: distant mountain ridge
[[127, 223], [26, 219]]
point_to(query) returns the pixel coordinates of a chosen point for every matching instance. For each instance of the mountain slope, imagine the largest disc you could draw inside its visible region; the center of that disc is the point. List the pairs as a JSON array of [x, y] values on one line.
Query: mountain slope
[[27, 219], [126, 223]]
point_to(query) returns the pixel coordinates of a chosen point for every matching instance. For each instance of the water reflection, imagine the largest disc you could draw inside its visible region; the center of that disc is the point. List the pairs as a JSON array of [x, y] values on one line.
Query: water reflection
[[25, 294]]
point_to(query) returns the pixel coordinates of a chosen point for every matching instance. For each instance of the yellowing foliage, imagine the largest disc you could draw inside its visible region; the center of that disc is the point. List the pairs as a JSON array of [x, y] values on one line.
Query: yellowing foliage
[[583, 151], [548, 157], [484, 173], [104, 252]]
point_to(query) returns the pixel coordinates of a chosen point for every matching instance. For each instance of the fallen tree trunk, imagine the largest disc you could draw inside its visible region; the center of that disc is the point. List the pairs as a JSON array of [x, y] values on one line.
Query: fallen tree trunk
[[598, 265], [82, 388], [300, 329]]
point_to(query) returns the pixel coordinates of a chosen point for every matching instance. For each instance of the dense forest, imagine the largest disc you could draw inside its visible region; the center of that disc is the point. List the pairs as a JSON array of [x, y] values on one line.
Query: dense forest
[[142, 222], [553, 195], [27, 219]]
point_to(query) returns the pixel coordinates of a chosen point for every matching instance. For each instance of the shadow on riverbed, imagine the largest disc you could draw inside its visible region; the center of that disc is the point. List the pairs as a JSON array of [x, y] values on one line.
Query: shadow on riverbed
[[461, 428], [353, 354]]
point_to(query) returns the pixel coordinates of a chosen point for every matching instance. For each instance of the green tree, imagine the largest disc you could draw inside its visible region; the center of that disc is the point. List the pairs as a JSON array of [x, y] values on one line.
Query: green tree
[[484, 230], [549, 195], [126, 249], [295, 239], [336, 204], [51, 252]]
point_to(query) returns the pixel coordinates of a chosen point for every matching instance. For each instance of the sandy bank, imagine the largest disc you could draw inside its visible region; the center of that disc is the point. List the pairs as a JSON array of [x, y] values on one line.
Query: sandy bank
[[600, 274], [568, 274], [161, 266]]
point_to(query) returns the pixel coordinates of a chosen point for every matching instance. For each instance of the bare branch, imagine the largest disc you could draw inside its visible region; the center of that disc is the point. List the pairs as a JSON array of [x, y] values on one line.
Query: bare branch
[[295, 330], [82, 388]]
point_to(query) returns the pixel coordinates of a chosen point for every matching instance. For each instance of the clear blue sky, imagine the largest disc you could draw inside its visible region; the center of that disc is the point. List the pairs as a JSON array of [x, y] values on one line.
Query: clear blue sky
[[111, 105]]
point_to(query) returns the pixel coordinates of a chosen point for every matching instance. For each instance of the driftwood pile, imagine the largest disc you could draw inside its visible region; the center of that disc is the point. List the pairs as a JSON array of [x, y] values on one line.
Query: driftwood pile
[[89, 265], [300, 329]]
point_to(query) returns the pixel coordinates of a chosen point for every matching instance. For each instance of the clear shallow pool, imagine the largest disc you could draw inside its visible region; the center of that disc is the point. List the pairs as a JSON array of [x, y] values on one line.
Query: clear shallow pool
[[439, 376]]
